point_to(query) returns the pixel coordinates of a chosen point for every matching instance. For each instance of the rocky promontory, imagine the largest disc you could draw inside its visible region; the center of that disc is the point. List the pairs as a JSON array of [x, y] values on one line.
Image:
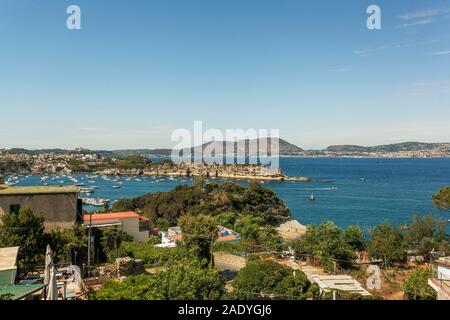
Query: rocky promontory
[[232, 171]]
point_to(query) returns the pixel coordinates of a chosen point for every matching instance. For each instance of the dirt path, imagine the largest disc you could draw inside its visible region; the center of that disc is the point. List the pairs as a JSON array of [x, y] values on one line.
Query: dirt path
[[228, 262]]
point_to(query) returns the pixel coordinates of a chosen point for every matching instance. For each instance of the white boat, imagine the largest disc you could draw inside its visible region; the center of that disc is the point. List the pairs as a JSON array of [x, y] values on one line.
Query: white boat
[[96, 202], [312, 197], [87, 190]]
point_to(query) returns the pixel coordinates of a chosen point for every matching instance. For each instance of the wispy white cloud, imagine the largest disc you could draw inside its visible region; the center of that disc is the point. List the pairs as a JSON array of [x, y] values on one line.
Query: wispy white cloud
[[424, 13], [416, 23], [429, 88], [366, 51], [362, 52], [440, 53]]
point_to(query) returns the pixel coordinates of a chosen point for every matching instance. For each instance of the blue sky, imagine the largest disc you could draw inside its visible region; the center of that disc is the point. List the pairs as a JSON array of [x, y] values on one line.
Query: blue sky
[[139, 69]]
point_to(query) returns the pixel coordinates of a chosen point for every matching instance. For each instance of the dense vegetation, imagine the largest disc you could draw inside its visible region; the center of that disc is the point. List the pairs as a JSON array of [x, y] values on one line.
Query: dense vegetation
[[442, 199], [151, 255], [416, 286], [265, 278], [123, 163], [199, 233], [26, 230], [186, 279], [328, 243], [387, 243], [209, 199], [187, 271]]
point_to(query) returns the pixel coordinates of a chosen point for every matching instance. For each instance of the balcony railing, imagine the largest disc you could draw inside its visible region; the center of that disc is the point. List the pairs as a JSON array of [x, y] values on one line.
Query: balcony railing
[[439, 280]]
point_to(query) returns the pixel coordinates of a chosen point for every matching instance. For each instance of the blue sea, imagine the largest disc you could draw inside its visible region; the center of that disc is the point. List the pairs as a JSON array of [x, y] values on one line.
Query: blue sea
[[348, 191]]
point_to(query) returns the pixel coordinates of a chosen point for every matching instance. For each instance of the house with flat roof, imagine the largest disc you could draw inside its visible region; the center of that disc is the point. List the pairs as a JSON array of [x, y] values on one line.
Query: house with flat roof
[[173, 235], [135, 225], [170, 237], [227, 235], [59, 205], [440, 281]]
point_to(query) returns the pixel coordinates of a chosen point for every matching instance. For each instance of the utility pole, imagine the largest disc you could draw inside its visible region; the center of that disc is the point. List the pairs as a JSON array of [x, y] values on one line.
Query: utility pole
[[89, 243], [212, 254]]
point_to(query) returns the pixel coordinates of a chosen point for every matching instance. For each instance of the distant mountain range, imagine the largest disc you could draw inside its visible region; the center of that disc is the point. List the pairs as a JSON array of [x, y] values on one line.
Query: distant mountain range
[[286, 149], [246, 147]]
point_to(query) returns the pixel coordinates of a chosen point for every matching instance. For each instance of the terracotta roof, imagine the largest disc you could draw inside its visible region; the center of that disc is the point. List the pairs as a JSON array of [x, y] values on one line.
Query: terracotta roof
[[114, 216], [227, 237], [177, 237]]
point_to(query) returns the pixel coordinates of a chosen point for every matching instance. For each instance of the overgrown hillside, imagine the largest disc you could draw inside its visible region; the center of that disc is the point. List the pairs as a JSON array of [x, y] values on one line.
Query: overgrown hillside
[[212, 199]]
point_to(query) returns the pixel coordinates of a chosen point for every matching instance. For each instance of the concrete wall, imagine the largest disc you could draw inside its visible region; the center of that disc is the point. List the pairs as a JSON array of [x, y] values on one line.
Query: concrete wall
[[58, 210], [443, 272], [131, 227]]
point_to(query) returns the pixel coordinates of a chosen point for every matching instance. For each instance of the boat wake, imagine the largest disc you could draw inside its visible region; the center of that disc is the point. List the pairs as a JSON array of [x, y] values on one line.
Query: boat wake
[[321, 189]]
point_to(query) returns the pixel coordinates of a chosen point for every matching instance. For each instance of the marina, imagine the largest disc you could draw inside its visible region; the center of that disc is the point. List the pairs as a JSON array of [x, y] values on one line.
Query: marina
[[394, 189]]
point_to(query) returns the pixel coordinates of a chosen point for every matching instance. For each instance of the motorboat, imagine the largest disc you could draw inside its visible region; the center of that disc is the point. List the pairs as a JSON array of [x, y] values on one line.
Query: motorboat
[[96, 202], [87, 190]]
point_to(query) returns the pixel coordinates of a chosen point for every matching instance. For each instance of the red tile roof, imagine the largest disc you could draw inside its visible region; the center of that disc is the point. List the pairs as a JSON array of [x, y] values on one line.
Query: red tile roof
[[114, 216]]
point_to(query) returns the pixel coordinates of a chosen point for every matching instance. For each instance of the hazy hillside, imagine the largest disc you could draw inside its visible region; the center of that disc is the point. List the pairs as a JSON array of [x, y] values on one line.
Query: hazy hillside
[[285, 148], [404, 146], [242, 147]]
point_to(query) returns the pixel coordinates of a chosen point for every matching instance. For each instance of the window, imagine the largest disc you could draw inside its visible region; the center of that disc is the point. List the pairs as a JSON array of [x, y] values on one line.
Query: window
[[14, 208]]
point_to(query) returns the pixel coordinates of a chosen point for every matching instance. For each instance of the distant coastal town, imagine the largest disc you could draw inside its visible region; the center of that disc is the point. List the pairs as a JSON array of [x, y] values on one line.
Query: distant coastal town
[[137, 162], [81, 160]]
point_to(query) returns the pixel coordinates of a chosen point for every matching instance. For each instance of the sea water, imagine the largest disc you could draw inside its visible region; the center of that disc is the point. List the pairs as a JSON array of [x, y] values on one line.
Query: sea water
[[347, 191]]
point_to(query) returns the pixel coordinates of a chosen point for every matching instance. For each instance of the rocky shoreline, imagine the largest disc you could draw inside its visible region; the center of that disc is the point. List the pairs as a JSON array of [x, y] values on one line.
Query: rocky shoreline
[[231, 171]]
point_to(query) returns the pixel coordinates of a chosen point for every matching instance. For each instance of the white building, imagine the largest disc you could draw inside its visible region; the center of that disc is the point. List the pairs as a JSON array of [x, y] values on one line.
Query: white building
[[133, 224], [170, 237], [441, 278]]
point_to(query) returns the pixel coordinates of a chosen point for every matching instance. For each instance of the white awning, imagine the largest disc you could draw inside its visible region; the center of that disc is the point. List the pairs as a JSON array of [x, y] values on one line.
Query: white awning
[[8, 258]]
